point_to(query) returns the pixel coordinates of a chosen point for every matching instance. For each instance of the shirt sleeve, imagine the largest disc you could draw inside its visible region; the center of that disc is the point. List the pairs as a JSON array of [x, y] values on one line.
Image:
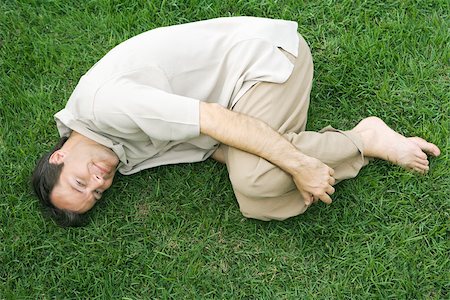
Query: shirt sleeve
[[129, 108]]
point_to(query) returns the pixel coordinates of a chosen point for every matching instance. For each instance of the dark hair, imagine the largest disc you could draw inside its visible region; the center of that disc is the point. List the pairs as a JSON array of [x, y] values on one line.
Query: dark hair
[[45, 177]]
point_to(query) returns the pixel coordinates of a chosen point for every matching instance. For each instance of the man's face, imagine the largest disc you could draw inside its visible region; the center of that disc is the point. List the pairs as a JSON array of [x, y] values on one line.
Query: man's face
[[88, 171]]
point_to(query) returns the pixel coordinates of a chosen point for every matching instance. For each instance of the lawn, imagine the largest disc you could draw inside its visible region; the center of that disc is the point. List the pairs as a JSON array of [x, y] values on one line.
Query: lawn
[[175, 232]]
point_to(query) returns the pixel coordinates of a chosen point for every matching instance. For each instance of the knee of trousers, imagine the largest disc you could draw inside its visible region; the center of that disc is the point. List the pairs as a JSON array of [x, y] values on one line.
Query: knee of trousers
[[277, 208], [255, 177], [263, 191]]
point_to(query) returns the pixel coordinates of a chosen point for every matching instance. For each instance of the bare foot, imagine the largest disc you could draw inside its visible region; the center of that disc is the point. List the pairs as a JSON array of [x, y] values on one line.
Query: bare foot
[[380, 141]]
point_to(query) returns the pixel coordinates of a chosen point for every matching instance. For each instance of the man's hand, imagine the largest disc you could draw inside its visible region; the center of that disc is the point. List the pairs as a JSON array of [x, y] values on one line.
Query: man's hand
[[314, 180], [312, 177]]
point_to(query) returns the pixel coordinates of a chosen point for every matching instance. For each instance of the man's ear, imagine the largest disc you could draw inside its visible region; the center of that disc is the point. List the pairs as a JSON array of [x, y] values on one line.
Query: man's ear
[[57, 157]]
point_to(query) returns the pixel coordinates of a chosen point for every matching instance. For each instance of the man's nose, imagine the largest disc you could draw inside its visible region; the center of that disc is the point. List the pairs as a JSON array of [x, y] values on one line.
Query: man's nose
[[97, 180]]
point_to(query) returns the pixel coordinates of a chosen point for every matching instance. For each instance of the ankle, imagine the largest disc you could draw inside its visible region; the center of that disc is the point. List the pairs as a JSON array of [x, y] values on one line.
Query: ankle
[[368, 139]]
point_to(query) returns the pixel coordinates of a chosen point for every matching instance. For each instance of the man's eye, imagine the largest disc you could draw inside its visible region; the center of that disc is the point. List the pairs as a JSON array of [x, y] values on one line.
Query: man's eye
[[80, 183]]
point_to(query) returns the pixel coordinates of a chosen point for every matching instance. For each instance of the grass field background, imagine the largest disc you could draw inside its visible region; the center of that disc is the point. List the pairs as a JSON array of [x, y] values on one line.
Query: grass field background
[[176, 231]]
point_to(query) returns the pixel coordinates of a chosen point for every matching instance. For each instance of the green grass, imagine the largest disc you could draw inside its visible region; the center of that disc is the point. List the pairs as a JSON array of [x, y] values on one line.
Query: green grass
[[176, 231]]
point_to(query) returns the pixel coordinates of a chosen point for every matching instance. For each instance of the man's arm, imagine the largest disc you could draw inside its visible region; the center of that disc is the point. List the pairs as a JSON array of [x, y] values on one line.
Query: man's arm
[[313, 178]]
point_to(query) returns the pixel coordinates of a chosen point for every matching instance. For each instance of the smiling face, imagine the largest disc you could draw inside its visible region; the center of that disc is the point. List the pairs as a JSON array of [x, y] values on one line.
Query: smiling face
[[88, 171]]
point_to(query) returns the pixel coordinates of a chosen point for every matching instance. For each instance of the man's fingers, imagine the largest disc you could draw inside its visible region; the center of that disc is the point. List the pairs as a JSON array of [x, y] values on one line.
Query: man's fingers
[[330, 190], [332, 181], [331, 171], [326, 198]]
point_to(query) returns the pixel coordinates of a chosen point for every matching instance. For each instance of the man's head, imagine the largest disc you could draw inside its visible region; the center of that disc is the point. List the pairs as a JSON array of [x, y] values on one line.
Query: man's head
[[71, 178]]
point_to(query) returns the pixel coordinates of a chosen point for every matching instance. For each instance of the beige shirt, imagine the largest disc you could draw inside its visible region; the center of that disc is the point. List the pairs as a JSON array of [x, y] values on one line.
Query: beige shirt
[[142, 98]]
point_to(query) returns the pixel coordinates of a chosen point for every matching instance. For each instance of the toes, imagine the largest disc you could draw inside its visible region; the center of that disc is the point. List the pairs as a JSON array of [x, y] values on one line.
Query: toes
[[417, 170], [420, 171], [432, 149], [436, 150], [429, 148], [420, 168], [423, 171], [421, 155], [423, 162]]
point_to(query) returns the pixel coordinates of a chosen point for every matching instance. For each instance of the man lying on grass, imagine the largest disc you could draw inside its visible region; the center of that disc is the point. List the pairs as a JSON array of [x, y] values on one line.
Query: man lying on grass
[[236, 89]]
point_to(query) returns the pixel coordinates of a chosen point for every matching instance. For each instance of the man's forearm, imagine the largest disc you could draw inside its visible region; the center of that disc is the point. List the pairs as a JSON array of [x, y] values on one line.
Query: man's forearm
[[250, 135]]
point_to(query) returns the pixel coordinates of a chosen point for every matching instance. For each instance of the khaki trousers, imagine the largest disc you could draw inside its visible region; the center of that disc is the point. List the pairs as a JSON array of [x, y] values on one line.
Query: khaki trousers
[[263, 190]]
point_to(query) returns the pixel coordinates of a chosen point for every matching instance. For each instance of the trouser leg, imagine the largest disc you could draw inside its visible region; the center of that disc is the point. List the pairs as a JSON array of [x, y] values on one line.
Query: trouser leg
[[263, 190]]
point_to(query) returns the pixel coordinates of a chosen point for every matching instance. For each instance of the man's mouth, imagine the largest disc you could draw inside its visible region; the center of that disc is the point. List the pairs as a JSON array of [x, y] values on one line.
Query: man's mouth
[[102, 169]]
